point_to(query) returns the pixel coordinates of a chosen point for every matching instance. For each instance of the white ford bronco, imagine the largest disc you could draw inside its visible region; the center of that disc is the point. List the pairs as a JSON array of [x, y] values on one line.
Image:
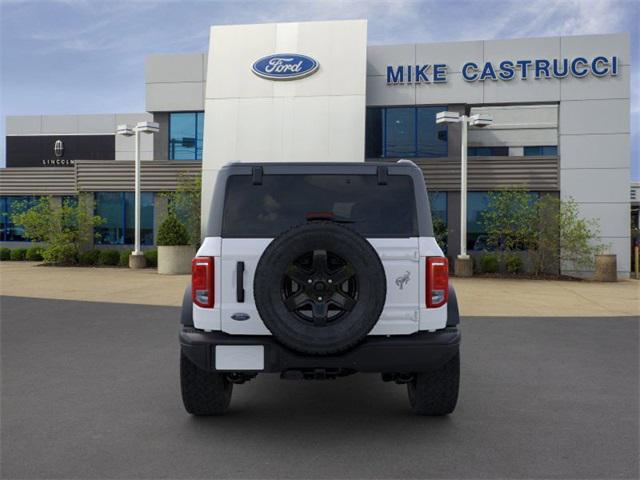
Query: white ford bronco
[[316, 271]]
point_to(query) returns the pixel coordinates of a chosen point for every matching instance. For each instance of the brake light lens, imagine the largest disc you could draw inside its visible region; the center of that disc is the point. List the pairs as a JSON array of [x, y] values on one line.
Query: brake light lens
[[437, 281], [202, 281]]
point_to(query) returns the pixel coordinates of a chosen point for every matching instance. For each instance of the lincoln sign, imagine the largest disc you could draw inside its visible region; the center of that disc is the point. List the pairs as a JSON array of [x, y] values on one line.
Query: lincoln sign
[[506, 70]]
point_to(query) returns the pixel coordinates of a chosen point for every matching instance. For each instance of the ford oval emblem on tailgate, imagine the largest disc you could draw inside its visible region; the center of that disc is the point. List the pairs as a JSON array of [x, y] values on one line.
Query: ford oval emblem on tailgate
[[284, 66], [240, 316]]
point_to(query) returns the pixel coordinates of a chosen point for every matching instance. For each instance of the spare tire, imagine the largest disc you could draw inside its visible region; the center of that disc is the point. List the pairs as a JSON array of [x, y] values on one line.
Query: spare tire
[[320, 288]]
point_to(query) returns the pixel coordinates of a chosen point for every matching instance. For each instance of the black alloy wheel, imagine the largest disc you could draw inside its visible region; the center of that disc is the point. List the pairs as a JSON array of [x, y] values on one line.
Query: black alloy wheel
[[320, 287]]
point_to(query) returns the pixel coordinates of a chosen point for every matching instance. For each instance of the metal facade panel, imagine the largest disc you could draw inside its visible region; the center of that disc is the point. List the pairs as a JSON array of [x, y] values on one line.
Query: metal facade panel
[[157, 176], [37, 181], [491, 173], [248, 117], [95, 176]]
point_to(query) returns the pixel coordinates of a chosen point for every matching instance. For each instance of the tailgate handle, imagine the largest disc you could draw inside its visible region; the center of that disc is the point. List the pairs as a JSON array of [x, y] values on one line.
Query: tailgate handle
[[240, 282]]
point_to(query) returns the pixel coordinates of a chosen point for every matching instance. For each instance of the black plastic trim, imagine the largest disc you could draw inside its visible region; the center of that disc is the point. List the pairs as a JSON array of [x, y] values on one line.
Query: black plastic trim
[[383, 172], [419, 352], [186, 314], [453, 313], [240, 282], [257, 175]]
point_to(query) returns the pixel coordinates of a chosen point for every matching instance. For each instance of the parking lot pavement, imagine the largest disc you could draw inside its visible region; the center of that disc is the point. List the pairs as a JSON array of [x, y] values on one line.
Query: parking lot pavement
[[90, 390]]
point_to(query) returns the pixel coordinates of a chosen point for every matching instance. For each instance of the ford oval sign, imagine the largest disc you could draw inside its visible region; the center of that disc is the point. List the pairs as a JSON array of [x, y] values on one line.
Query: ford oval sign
[[285, 66]]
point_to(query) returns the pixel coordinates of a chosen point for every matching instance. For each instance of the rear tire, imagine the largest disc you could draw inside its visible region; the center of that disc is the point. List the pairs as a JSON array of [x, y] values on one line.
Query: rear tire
[[203, 392], [435, 393]]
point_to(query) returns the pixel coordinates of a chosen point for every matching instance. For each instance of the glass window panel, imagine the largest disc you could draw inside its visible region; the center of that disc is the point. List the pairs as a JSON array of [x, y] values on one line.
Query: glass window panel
[[109, 207], [432, 138], [400, 132], [477, 202], [146, 218], [199, 134], [282, 201], [499, 151], [438, 204], [13, 232], [373, 136], [532, 151], [550, 150], [117, 208], [182, 136], [538, 150], [4, 218]]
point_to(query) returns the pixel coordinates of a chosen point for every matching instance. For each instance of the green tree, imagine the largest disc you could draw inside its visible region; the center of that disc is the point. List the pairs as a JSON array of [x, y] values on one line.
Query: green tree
[[441, 232], [184, 203], [63, 227], [550, 229], [509, 220], [563, 237]]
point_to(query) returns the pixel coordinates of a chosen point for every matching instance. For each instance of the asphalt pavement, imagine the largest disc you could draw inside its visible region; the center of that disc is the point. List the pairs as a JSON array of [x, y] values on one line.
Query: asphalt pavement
[[91, 390]]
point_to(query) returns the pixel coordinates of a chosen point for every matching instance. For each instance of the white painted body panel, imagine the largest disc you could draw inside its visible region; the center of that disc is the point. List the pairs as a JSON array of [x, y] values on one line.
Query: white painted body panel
[[404, 263]]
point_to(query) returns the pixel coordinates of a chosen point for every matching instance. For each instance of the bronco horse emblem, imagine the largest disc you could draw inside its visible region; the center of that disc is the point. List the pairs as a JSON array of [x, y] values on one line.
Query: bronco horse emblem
[[402, 280]]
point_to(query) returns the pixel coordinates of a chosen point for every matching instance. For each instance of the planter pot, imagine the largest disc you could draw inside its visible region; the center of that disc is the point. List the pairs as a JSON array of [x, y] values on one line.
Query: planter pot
[[463, 267], [606, 268], [175, 260]]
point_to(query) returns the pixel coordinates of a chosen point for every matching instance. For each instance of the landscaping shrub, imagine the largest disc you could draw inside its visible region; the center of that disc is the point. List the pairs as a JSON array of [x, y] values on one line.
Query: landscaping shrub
[[109, 257], [61, 254], [18, 254], [489, 263], [152, 258], [5, 254], [90, 257], [124, 258], [513, 264], [34, 254], [64, 228], [172, 232]]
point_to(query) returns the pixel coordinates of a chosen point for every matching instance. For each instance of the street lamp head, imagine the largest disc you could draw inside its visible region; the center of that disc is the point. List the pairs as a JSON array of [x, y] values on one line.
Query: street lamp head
[[447, 117], [124, 129], [148, 127], [480, 120]]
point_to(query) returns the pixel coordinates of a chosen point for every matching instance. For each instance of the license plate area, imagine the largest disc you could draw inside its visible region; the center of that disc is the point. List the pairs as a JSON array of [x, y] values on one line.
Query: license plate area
[[239, 357]]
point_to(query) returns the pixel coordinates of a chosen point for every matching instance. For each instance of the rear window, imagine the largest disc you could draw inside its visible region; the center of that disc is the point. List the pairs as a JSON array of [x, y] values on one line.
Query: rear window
[[283, 201]]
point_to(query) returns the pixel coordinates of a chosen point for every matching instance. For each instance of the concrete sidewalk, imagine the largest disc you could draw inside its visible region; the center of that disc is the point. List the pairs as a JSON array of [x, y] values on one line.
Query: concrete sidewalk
[[476, 296]]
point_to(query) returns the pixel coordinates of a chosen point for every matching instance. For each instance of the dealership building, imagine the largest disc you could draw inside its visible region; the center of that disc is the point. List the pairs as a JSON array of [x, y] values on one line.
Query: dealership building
[[560, 108]]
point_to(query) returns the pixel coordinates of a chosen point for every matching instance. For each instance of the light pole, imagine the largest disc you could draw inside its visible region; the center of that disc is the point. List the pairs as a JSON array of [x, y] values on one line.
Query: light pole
[[136, 259], [463, 264]]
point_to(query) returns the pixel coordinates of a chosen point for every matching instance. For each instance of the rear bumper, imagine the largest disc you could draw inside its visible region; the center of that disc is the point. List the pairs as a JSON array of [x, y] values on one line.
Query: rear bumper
[[419, 352]]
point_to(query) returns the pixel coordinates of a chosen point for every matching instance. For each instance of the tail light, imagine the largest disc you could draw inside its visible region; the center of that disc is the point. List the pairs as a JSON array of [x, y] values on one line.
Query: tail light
[[202, 281], [437, 281]]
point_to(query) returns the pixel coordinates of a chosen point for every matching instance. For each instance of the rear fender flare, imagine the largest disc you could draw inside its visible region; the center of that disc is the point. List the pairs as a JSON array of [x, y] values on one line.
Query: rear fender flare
[[186, 315], [453, 314]]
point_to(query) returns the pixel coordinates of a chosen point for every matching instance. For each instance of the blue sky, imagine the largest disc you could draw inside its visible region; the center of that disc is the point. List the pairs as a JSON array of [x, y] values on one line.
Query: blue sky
[[84, 56]]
